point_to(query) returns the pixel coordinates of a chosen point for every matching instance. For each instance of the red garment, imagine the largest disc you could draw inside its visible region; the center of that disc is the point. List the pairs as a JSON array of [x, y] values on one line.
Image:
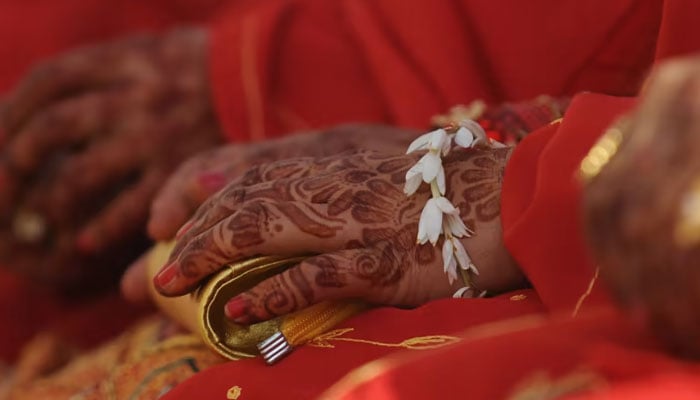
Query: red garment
[[540, 201], [306, 372], [294, 64], [596, 356], [33, 30]]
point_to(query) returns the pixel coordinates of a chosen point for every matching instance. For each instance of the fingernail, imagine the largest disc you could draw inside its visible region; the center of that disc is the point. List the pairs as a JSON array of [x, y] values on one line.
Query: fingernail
[[166, 277], [211, 181], [184, 229], [236, 308]]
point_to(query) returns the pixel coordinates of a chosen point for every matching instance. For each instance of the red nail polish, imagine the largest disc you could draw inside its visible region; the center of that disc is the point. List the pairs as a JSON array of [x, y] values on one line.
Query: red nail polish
[[236, 308], [211, 181], [166, 277], [184, 229]]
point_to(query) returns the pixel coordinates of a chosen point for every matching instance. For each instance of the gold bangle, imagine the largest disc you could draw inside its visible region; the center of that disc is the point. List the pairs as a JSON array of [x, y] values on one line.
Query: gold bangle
[[602, 151]]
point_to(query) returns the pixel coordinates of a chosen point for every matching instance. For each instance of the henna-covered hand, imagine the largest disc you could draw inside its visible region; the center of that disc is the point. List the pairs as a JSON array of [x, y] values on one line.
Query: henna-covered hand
[[641, 211], [91, 136], [349, 210], [206, 173]]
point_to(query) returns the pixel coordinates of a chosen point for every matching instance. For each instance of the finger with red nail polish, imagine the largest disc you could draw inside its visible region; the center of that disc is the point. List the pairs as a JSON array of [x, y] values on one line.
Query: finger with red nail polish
[[236, 310], [167, 277]]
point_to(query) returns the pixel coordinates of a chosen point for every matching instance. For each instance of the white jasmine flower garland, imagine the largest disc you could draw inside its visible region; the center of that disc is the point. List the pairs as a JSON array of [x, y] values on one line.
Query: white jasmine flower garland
[[439, 216]]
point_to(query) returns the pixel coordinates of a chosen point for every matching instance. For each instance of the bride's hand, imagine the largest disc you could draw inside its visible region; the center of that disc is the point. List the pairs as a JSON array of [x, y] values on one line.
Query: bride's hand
[[350, 212], [206, 173]]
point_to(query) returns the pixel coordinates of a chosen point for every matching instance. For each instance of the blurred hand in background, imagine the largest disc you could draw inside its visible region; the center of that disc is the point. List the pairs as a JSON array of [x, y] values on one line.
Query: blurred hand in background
[[89, 137]]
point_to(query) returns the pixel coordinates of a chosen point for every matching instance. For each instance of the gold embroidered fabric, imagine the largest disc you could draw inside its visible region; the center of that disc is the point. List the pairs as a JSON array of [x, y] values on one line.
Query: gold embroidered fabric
[[202, 312]]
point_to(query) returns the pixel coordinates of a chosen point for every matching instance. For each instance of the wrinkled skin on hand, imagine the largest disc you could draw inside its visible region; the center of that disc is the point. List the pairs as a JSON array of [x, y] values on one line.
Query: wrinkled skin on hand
[[90, 137], [633, 209], [350, 211]]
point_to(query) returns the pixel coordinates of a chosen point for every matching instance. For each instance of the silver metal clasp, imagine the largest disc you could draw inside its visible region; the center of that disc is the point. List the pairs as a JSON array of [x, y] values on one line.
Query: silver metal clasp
[[274, 348]]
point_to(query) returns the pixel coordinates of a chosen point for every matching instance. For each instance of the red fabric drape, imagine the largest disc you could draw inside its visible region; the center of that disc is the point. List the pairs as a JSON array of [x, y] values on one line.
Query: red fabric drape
[[596, 356], [295, 64], [33, 30], [541, 222], [306, 372]]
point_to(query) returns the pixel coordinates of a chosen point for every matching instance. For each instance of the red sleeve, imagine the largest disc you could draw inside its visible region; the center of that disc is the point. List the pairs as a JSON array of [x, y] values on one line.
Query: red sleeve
[[541, 201], [296, 64]]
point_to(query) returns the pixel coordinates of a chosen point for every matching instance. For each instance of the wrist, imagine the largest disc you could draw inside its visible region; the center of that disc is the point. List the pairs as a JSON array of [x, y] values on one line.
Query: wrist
[[474, 187]]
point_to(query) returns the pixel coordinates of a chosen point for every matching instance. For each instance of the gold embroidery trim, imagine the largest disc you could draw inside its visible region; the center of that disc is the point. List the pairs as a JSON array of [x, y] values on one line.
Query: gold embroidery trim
[[587, 293], [375, 368], [234, 392], [415, 343]]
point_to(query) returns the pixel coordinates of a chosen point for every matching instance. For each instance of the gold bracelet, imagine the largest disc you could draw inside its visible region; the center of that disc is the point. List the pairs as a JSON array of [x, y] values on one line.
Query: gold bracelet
[[603, 151]]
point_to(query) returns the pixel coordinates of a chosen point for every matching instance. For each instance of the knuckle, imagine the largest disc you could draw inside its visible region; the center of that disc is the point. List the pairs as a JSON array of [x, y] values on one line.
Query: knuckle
[[325, 272], [196, 257], [235, 195], [252, 176], [247, 225]]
